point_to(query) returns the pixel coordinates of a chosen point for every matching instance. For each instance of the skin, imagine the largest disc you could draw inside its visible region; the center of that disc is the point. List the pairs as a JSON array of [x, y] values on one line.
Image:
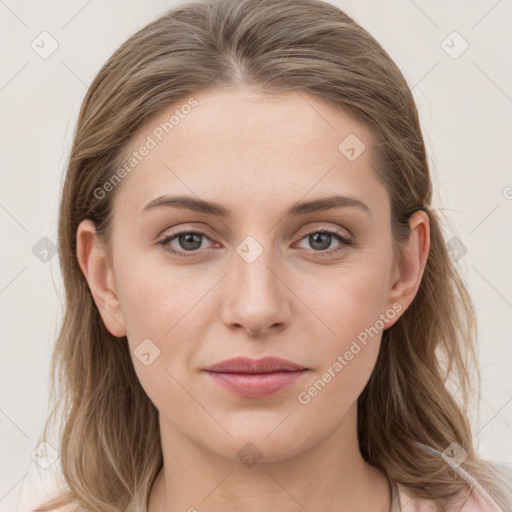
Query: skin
[[256, 155]]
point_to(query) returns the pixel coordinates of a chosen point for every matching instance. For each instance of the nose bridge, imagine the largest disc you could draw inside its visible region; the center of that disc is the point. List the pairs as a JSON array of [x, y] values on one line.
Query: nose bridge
[[254, 295], [255, 258]]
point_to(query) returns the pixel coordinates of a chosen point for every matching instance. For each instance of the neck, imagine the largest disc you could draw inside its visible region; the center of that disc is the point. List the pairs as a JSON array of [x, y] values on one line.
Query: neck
[[313, 479]]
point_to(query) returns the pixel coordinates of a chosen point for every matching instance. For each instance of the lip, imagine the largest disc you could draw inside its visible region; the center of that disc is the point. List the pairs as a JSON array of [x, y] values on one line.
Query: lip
[[247, 365], [255, 378]]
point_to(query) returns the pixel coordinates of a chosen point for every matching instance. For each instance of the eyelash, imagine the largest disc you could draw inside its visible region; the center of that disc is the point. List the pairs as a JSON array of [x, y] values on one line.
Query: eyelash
[[342, 239]]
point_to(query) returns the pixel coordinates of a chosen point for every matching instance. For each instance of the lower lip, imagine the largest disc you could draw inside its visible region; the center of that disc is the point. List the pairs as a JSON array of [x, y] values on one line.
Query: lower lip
[[258, 385]]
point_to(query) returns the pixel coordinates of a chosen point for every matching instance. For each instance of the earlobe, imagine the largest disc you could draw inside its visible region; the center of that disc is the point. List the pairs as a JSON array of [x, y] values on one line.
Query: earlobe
[[97, 270], [413, 258]]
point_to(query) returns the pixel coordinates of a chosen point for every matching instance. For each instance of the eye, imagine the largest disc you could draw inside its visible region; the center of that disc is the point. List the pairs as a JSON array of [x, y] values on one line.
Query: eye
[[321, 239], [187, 242]]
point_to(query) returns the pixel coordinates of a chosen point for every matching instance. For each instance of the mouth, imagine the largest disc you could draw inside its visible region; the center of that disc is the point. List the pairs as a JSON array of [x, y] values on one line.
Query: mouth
[[255, 378]]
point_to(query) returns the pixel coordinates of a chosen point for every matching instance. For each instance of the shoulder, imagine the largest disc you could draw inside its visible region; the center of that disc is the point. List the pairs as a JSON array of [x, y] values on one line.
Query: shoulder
[[476, 500]]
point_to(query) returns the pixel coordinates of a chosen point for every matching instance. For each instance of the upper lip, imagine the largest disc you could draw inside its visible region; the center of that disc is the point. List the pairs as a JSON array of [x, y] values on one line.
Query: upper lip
[[263, 365]]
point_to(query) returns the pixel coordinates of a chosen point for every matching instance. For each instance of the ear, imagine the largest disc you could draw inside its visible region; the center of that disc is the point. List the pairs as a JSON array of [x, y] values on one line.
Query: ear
[[408, 270], [95, 265]]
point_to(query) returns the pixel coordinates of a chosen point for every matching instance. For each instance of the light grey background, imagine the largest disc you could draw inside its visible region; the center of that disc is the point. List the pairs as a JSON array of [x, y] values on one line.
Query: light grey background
[[465, 106]]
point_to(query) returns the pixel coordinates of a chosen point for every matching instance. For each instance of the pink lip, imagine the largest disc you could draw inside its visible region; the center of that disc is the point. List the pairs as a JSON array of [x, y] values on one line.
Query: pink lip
[[255, 378]]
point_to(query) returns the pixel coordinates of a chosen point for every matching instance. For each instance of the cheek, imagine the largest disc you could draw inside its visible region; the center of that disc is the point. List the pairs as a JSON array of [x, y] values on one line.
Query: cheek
[[157, 314], [349, 299], [163, 305], [350, 306], [152, 300], [347, 356]]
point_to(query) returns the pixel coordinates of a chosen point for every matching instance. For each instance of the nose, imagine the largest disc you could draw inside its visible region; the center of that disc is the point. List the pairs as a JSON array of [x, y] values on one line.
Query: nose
[[255, 298]]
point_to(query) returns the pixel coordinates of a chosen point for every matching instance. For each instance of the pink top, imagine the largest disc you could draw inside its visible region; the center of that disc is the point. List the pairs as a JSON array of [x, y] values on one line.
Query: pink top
[[476, 500]]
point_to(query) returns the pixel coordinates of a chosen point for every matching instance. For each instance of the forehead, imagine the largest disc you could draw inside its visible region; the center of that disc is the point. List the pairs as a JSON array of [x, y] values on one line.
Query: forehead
[[239, 144]]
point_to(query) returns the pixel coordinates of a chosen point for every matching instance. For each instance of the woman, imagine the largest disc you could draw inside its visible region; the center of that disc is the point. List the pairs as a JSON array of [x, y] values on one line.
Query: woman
[[261, 310]]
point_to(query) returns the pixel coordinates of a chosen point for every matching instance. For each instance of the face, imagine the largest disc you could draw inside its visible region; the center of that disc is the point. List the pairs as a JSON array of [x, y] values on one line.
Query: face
[[313, 286]]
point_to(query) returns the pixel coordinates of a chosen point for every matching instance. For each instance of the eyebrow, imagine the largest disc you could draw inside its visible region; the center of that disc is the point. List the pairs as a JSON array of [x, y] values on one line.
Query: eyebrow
[[211, 208]]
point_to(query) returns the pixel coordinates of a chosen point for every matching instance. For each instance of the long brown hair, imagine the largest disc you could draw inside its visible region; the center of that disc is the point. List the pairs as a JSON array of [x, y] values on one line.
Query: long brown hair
[[407, 415]]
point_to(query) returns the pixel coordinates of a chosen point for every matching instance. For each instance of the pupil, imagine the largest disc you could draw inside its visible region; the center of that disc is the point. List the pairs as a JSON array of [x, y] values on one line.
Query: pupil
[[320, 240], [190, 238]]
